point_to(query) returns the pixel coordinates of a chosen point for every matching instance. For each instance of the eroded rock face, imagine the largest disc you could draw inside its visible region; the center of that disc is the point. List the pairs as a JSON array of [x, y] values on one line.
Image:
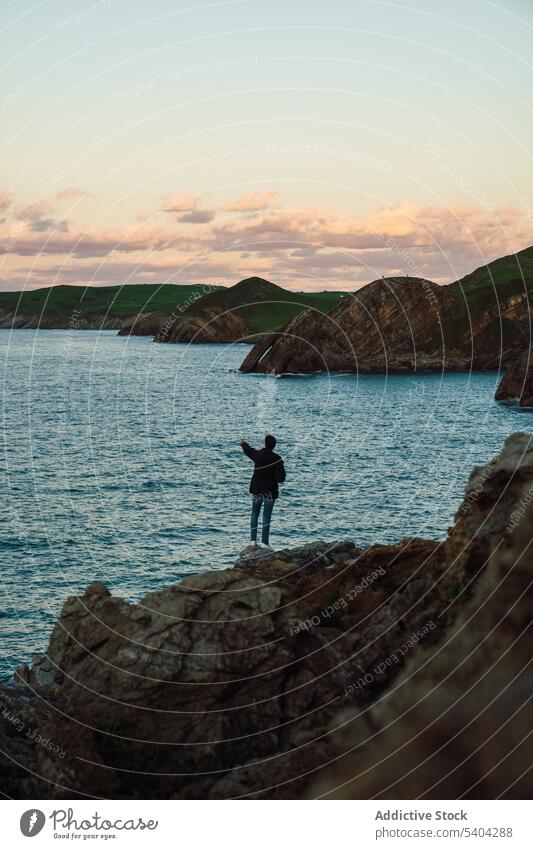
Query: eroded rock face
[[23, 714], [458, 721], [251, 681], [53, 321], [144, 324], [517, 382], [400, 324], [206, 325], [219, 316]]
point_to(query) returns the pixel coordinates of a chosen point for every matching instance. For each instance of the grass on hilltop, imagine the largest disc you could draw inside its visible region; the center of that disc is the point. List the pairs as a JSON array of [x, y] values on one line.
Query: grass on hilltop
[[131, 299], [116, 301], [511, 274], [264, 318], [507, 274]]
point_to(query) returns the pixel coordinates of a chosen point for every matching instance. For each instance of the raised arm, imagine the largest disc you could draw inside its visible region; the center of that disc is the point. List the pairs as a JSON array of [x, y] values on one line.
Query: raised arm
[[250, 452]]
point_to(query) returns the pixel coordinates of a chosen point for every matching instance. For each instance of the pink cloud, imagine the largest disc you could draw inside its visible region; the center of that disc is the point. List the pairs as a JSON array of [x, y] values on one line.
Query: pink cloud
[[317, 247], [71, 193], [30, 241], [252, 202], [34, 211], [178, 203], [197, 216], [187, 207], [6, 200]]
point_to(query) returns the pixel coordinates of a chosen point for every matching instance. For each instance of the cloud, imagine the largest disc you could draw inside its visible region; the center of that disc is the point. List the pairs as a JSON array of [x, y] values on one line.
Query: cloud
[[252, 202], [6, 200], [447, 233], [187, 208], [44, 225], [178, 203], [197, 216], [26, 242], [316, 247], [34, 211], [71, 193]]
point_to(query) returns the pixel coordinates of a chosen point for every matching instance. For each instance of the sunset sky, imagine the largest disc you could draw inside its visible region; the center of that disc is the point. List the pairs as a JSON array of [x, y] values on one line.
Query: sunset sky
[[317, 144]]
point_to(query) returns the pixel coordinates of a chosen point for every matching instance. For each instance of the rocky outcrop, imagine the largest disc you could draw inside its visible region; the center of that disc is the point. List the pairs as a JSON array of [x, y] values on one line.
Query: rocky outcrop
[[400, 324], [143, 324], [208, 326], [188, 325], [260, 680], [220, 316], [458, 721], [314, 555], [24, 713], [517, 382], [52, 321]]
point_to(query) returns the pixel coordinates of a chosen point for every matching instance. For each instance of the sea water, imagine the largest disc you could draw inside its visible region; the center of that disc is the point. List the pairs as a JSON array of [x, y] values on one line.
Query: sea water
[[121, 463]]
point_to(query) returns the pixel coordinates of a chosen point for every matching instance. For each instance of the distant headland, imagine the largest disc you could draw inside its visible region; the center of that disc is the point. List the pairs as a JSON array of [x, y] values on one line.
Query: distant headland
[[391, 325]]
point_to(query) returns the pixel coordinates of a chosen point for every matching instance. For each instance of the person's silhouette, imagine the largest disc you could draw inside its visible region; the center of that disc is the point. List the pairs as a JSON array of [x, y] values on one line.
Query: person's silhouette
[[269, 472]]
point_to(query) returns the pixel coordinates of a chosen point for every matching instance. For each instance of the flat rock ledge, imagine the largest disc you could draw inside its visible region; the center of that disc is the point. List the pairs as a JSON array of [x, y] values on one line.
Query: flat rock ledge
[[313, 555], [391, 672]]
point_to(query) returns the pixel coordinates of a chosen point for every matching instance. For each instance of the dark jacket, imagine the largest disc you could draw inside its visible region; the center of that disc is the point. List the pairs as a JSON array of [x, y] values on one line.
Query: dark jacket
[[269, 471]]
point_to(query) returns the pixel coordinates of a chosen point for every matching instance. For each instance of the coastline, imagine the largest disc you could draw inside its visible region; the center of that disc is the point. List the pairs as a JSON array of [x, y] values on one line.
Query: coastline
[[250, 665]]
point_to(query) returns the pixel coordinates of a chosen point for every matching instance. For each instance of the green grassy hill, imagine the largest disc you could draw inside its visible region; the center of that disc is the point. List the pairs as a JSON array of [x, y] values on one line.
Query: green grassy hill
[[253, 305], [116, 301], [262, 319], [508, 275], [263, 305], [56, 306]]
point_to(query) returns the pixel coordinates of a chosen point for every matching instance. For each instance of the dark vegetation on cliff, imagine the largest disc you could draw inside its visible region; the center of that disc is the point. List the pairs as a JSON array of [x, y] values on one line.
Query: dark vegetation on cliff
[[398, 671]]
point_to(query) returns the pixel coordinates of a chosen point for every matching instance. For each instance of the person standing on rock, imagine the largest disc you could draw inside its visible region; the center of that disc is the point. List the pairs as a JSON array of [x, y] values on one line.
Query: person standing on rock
[[269, 472]]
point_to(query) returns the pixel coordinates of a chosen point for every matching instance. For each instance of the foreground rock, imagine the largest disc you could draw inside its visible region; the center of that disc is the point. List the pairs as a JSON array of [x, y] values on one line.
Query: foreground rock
[[313, 555], [261, 680], [517, 382], [458, 722]]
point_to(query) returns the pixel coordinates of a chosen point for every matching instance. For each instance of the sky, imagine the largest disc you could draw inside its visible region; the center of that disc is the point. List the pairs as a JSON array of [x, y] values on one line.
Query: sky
[[319, 145]]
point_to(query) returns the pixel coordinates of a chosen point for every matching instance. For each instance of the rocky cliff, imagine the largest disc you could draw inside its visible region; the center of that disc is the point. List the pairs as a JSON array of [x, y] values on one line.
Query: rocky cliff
[[205, 324], [195, 326], [220, 316], [398, 670], [51, 321], [458, 721], [143, 324], [517, 382], [240, 313], [401, 324]]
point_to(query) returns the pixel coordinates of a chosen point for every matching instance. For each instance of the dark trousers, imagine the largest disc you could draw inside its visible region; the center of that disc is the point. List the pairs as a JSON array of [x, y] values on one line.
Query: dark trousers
[[268, 505]]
